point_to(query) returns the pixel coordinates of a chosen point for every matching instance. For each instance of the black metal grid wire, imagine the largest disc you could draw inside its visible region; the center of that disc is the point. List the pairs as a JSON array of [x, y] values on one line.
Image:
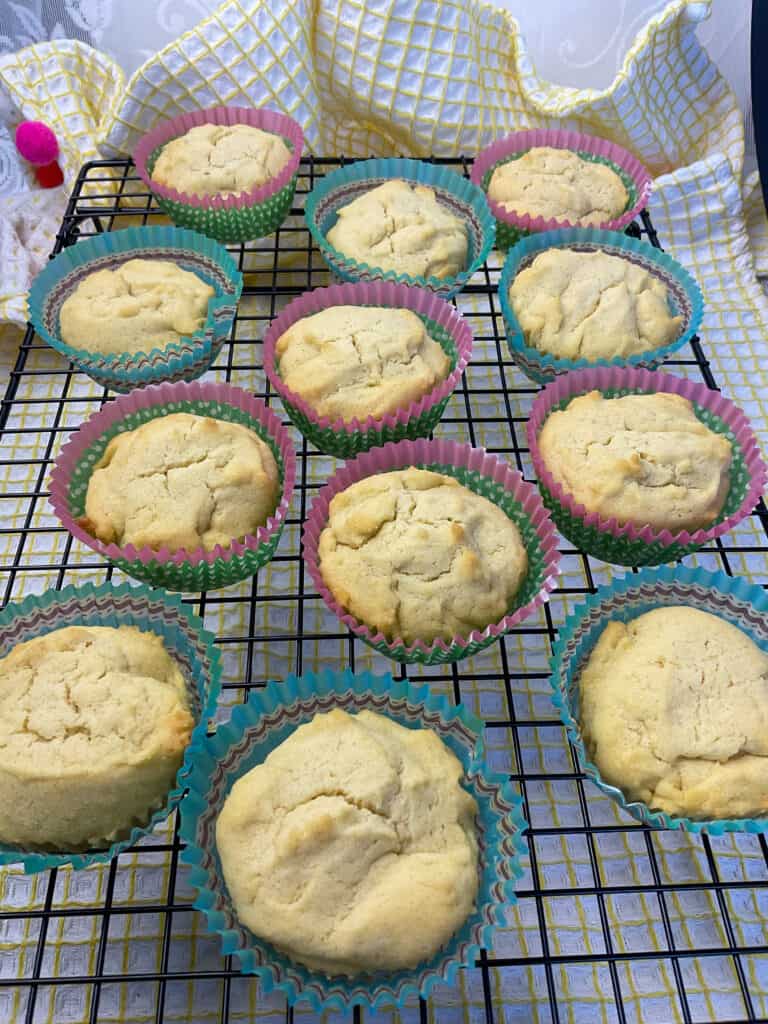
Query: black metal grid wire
[[94, 207]]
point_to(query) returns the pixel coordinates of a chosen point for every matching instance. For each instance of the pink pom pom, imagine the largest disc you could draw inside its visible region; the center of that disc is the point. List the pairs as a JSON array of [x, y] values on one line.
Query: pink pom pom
[[36, 143]]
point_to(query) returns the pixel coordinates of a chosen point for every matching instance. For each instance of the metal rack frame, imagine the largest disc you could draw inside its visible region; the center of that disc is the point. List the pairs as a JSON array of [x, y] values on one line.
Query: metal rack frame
[[93, 207]]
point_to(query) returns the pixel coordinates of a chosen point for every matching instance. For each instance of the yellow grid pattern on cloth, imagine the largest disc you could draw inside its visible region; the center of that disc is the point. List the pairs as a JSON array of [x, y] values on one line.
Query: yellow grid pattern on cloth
[[440, 77]]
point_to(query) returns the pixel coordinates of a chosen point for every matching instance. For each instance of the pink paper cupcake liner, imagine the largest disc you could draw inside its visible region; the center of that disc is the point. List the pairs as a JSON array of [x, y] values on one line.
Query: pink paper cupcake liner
[[258, 210], [603, 151], [748, 472], [194, 569], [347, 437], [480, 471]]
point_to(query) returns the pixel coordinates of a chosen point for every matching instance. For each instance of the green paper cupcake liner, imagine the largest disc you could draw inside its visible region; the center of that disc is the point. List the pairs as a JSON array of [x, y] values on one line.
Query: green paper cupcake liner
[[346, 439], [175, 570], [252, 214], [633, 544]]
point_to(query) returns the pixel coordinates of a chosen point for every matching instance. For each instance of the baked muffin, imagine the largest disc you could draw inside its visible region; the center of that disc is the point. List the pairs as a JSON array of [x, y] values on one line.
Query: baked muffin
[[674, 712], [138, 306], [418, 556], [181, 482], [356, 361], [220, 160], [93, 726], [558, 183], [591, 305], [352, 848], [402, 227], [643, 459]]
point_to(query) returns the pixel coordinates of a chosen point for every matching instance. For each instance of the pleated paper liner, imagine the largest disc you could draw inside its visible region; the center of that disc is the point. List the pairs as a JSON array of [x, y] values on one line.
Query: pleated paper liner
[[453, 191], [685, 298], [512, 226], [183, 360], [741, 603], [479, 471], [633, 544], [254, 213], [345, 439], [184, 638], [175, 570], [265, 721]]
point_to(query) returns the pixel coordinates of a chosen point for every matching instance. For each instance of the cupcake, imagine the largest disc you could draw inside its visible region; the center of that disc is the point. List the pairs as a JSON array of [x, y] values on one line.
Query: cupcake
[[102, 690], [542, 179], [138, 306], [400, 220], [580, 297], [229, 172], [640, 467], [429, 550], [187, 486], [346, 880], [358, 365], [661, 680]]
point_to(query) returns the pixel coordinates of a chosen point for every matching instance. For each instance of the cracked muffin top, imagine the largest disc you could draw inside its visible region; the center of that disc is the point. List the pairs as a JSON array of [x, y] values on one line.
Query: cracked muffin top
[[93, 725], [359, 361], [402, 227], [591, 305], [138, 306], [558, 183], [674, 711], [352, 847], [643, 459], [181, 482], [418, 556], [220, 160]]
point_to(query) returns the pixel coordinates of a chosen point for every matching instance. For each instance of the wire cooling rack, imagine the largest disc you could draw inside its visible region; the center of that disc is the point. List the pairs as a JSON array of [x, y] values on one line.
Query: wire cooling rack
[[614, 922]]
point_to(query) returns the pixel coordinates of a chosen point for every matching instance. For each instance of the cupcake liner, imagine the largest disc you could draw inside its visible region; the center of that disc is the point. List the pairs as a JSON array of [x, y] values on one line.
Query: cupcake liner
[[182, 569], [346, 438], [480, 472], [458, 194], [252, 214], [741, 603], [631, 544], [184, 360], [107, 605], [265, 721], [684, 293], [511, 227]]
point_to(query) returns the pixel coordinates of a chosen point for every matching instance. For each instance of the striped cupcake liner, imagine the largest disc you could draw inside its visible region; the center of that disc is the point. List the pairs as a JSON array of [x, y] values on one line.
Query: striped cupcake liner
[[635, 544], [458, 194], [260, 725], [685, 298], [480, 472], [346, 439], [185, 639], [175, 570], [254, 213], [183, 360], [742, 604], [512, 226]]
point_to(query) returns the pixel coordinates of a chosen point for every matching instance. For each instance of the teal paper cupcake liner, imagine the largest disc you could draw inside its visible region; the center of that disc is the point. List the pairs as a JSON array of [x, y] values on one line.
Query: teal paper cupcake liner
[[265, 721], [254, 213], [684, 294], [184, 360], [742, 604], [345, 439], [511, 225], [480, 472], [458, 194], [175, 570], [108, 605], [638, 544]]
